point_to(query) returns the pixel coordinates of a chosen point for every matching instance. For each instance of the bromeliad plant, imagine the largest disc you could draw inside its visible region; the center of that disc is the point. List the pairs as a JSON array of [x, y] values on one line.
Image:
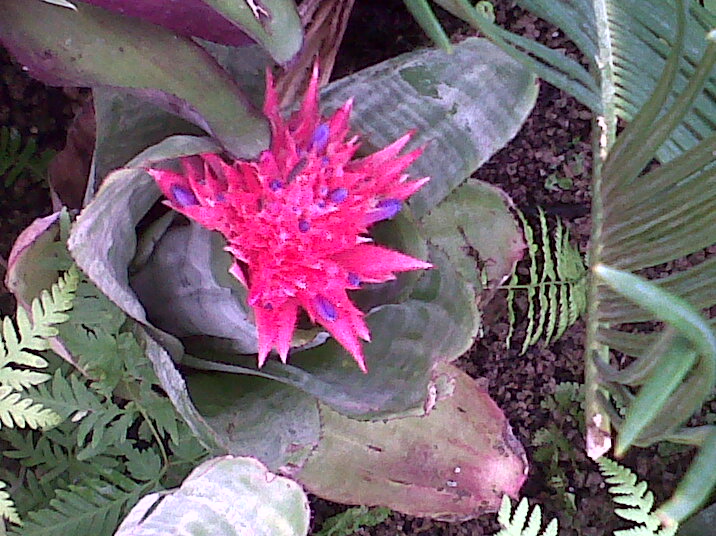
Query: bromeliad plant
[[296, 222], [330, 232]]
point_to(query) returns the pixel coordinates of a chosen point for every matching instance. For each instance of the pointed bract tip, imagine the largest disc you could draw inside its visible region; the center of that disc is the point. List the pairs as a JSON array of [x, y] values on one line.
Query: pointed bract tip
[[263, 354]]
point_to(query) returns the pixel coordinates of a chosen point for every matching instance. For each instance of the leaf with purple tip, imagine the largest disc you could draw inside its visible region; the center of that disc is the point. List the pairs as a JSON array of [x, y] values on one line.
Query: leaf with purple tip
[[98, 48], [454, 463]]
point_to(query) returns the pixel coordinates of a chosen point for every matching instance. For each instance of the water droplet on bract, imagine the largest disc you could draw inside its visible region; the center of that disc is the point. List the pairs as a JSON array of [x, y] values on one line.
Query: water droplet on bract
[[303, 226]]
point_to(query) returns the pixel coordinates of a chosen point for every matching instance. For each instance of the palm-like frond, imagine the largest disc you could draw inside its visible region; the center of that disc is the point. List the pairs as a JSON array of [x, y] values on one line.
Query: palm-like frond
[[634, 38], [653, 65], [627, 43]]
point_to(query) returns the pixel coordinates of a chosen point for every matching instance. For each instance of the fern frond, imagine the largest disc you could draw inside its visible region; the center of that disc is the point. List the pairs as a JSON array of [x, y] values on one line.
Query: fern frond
[[48, 310], [20, 379], [18, 158], [513, 524], [556, 286], [18, 411], [18, 347], [352, 520], [94, 507], [637, 497], [7, 506]]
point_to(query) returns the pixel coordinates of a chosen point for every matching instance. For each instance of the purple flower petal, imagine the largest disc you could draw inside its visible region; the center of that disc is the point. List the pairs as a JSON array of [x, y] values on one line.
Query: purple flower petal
[[386, 209], [338, 195], [319, 140], [325, 309], [184, 197]]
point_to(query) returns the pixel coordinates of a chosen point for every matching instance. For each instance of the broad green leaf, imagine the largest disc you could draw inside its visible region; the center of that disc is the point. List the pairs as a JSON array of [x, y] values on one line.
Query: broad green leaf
[[95, 47], [464, 106], [126, 126], [454, 463], [103, 239], [274, 24], [175, 387], [272, 421], [246, 66], [475, 221], [400, 358], [226, 496], [197, 295], [700, 524]]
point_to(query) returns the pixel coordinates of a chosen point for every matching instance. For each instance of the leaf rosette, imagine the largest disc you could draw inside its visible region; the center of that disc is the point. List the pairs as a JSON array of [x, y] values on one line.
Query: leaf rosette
[[171, 276]]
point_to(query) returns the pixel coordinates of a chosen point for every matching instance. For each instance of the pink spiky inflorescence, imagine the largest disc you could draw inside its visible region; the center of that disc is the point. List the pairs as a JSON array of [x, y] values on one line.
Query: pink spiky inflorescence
[[296, 220]]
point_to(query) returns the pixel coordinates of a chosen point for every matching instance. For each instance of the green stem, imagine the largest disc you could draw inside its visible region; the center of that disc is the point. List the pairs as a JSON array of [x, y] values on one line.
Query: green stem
[[603, 137]]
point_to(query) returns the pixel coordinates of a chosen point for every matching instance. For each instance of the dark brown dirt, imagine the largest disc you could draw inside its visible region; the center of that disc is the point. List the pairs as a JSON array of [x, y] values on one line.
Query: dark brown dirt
[[553, 144]]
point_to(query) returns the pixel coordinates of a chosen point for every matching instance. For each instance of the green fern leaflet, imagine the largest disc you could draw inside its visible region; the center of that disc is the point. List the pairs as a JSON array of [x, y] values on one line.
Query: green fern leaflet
[[517, 524], [556, 289], [18, 158], [19, 347], [637, 500]]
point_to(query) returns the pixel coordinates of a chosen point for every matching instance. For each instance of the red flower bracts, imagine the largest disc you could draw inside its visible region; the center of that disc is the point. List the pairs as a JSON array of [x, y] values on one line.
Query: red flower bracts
[[296, 220]]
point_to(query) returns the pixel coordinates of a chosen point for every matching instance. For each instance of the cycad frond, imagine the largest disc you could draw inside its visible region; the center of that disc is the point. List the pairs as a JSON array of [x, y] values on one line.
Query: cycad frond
[[517, 524], [642, 220], [556, 290]]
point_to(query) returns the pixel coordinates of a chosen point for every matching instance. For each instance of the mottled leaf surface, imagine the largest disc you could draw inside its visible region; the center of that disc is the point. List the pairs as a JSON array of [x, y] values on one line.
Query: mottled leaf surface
[[475, 221], [126, 126], [453, 464], [228, 496], [272, 421], [438, 323], [464, 106]]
